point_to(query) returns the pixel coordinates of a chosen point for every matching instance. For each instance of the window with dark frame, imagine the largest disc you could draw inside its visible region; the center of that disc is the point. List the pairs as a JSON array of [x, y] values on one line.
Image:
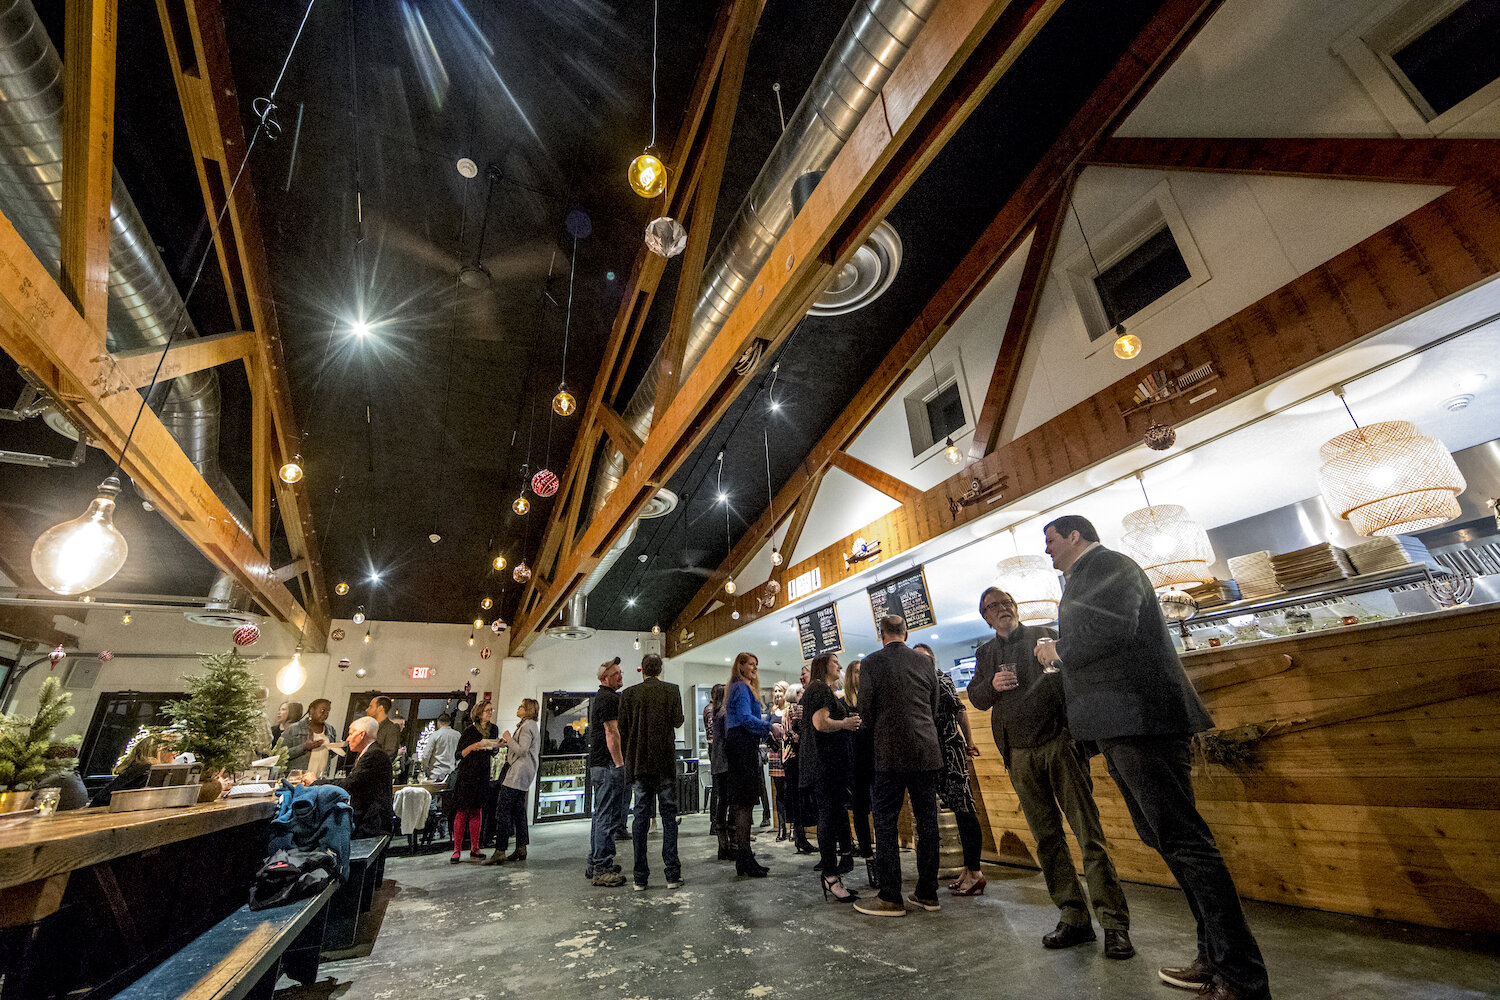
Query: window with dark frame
[[1456, 57], [945, 413], [1139, 278]]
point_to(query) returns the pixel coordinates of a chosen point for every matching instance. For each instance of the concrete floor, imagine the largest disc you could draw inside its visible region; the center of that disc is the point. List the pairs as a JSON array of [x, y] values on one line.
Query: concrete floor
[[538, 929]]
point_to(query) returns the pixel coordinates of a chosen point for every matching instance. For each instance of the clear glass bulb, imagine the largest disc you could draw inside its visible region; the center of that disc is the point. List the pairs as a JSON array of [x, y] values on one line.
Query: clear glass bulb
[[520, 505], [776, 559], [290, 678], [471, 638], [81, 554], [647, 175], [486, 604], [359, 617], [341, 589], [729, 587], [499, 562], [291, 472], [563, 404], [1127, 346], [951, 453], [367, 640]]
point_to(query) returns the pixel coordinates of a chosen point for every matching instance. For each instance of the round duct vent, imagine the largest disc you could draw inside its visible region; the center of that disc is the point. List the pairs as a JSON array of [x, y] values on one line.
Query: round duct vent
[[221, 617], [865, 277], [54, 419], [574, 633], [662, 504]]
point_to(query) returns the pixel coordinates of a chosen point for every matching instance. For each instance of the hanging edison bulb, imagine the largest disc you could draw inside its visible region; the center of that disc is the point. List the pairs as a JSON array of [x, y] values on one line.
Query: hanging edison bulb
[[471, 638], [563, 404], [1127, 345], [341, 589], [776, 559], [647, 175], [81, 554], [486, 604], [951, 453], [729, 586], [367, 638], [291, 472], [520, 505], [500, 563], [359, 615], [125, 619], [290, 678], [478, 624]]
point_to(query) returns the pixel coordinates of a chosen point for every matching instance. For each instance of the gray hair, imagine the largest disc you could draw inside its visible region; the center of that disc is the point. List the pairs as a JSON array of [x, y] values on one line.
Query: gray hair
[[365, 724]]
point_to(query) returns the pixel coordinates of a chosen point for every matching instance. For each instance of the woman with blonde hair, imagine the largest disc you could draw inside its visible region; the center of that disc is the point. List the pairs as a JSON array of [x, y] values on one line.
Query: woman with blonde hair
[[521, 752], [776, 742], [862, 766], [744, 728]]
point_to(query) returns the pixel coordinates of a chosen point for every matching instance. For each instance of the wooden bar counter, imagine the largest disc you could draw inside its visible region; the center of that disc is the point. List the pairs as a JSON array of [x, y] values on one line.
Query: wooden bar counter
[[89, 897], [1370, 778]]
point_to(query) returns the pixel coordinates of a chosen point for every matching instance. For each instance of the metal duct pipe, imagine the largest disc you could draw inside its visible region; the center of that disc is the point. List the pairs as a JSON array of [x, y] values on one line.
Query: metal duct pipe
[[874, 39], [144, 305]]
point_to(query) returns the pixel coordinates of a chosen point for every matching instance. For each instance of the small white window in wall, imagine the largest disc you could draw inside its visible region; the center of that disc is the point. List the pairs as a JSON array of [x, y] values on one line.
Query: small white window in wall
[[936, 409], [1427, 65], [1147, 260]]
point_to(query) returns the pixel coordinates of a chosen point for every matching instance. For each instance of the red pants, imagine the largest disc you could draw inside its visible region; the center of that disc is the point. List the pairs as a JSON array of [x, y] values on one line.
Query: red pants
[[469, 818]]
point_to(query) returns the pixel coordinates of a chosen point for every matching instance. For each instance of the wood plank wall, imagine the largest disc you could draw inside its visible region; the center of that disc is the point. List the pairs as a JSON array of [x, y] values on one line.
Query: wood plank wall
[[1380, 796]]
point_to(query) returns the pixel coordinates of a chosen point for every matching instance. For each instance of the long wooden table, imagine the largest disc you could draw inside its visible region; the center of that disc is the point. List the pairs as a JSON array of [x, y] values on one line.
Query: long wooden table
[[177, 868]]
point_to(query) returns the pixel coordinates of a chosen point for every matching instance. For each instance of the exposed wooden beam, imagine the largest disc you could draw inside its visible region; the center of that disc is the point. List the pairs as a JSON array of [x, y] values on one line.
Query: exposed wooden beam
[[262, 466], [743, 20], [291, 570], [860, 179], [799, 517], [1018, 327], [1408, 161], [36, 318], [622, 437], [1439, 250], [134, 368], [88, 155], [198, 52], [875, 478]]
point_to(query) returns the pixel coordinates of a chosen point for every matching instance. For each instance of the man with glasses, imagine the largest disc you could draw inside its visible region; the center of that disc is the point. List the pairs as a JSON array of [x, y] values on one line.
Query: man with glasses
[[1051, 778]]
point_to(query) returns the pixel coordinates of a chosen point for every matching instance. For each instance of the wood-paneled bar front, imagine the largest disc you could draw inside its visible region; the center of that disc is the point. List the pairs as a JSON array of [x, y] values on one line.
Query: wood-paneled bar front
[[1375, 789]]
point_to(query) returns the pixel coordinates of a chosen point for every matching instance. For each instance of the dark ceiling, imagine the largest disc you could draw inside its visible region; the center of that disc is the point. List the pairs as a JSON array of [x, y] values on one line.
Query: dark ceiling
[[424, 426]]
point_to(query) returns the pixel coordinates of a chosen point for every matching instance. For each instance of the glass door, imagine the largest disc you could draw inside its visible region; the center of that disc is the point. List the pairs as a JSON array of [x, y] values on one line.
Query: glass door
[[562, 785]]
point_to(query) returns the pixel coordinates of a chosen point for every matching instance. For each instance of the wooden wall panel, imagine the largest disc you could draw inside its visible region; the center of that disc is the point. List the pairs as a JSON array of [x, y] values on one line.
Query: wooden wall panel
[[1394, 814]]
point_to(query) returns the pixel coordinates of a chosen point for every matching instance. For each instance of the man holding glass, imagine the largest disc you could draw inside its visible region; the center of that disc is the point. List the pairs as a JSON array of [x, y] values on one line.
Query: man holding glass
[[1029, 719], [1126, 690]]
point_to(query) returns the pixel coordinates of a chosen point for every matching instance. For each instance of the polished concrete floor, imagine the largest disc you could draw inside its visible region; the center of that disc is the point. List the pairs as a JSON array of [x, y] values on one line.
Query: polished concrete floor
[[538, 929]]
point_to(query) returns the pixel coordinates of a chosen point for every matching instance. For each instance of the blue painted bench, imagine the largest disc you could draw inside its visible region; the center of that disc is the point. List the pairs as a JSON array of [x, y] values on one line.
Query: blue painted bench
[[366, 871], [243, 955]]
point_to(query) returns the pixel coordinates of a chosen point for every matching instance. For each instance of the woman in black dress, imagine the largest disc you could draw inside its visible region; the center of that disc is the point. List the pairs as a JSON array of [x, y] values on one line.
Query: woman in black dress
[[953, 788], [825, 769], [862, 767], [744, 729], [476, 751]]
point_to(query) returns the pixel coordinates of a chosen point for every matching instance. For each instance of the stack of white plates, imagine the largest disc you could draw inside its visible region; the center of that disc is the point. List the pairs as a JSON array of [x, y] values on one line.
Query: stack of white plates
[[1388, 552], [1255, 575]]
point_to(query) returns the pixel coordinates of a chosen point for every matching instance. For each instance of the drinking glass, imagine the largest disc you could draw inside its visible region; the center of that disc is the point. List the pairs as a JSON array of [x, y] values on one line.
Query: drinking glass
[[294, 776], [1050, 668], [1008, 678], [46, 801]]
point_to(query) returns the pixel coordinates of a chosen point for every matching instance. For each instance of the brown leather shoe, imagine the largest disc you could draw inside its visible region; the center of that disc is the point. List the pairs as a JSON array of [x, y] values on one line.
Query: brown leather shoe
[[1188, 977], [1066, 935], [1117, 945]]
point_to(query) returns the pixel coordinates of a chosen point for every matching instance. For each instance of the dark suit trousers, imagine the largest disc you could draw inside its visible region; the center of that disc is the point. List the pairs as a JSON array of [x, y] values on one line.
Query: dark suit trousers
[[1153, 773], [886, 793]]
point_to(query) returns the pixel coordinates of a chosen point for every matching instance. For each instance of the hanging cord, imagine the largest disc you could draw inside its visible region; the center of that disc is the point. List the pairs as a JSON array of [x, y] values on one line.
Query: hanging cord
[[1140, 478], [655, 9], [780, 112], [266, 126], [1109, 312], [1342, 399], [568, 323]]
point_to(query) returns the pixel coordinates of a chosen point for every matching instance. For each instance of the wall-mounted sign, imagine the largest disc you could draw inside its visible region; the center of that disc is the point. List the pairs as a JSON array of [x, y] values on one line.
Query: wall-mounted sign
[[904, 595], [422, 673], [818, 631]]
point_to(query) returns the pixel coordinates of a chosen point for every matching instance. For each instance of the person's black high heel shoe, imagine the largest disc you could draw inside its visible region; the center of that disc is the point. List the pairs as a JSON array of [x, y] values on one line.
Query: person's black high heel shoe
[[833, 885]]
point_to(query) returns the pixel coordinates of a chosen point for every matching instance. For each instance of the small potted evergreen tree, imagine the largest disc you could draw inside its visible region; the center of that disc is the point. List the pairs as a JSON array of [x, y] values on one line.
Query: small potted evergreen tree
[[218, 718], [28, 750]]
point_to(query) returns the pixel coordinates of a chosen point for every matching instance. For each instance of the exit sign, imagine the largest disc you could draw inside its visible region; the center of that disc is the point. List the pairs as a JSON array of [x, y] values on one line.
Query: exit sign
[[421, 673]]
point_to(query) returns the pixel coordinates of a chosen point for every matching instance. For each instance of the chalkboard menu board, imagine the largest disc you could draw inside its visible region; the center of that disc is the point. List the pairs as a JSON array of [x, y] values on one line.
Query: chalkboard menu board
[[904, 595], [818, 631]]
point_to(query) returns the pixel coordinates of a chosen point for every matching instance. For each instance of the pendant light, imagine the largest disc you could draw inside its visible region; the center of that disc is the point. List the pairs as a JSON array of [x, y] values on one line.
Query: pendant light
[[341, 589], [520, 505], [1126, 345], [471, 638], [563, 404], [499, 563], [290, 678], [291, 472], [765, 436], [478, 624], [1168, 544], [647, 174], [81, 554], [486, 604], [359, 615], [951, 452], [1032, 582], [366, 639], [1388, 478], [729, 585]]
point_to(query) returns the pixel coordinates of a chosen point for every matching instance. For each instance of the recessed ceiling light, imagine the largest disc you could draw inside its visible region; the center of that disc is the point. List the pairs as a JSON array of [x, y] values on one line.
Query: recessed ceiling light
[[935, 635], [359, 328], [723, 498], [630, 602], [1460, 402], [726, 659], [467, 167], [775, 643], [1472, 381]]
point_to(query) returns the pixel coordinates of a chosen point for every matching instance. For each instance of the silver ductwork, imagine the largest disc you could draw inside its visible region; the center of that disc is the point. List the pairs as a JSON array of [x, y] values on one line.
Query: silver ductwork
[[144, 305], [874, 39], [572, 626], [225, 607]]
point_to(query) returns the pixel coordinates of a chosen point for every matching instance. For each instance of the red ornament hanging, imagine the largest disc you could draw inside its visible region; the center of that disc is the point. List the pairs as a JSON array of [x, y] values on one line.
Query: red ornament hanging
[[246, 634], [57, 655], [106, 655], [498, 625], [484, 654], [544, 484], [337, 635]]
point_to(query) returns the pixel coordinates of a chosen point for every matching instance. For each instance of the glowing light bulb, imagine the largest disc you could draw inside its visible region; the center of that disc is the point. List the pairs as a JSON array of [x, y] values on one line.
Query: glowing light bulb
[[125, 619], [341, 589], [478, 623], [563, 404], [735, 615], [729, 587], [630, 602], [1127, 345], [290, 678], [486, 604], [359, 328], [520, 505], [359, 615], [637, 642], [656, 630], [360, 672], [951, 453], [500, 562], [776, 559], [647, 175], [471, 638], [291, 472], [366, 641], [723, 498], [81, 554]]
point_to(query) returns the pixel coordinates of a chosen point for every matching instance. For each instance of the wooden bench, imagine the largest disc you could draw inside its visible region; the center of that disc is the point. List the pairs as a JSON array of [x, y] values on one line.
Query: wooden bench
[[243, 955], [366, 872]]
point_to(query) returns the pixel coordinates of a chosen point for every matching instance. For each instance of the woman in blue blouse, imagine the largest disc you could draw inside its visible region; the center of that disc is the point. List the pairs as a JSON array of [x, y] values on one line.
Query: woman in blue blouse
[[744, 728]]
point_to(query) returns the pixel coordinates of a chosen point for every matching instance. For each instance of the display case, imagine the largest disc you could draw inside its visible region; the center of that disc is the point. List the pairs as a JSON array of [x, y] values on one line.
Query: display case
[[562, 782]]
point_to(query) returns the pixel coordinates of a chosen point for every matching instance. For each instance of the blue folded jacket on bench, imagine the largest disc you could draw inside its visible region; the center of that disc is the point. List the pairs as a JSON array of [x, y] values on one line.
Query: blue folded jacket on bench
[[313, 818]]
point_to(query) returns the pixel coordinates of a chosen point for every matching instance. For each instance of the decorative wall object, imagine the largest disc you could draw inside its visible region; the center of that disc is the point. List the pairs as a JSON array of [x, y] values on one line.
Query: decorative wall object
[[665, 237], [1160, 437], [978, 492], [862, 550], [57, 655], [521, 573], [337, 635], [484, 654]]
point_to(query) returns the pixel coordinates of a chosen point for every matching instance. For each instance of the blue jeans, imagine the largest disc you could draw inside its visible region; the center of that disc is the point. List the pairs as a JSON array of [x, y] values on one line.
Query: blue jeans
[[650, 791], [609, 814]]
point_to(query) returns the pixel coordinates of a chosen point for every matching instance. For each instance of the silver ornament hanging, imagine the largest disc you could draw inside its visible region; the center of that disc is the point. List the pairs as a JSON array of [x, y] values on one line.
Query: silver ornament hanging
[[665, 236]]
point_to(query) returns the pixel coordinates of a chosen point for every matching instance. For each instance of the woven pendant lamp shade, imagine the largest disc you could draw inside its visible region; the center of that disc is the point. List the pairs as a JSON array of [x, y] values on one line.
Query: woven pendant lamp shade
[[1169, 545], [1032, 584], [1389, 479]]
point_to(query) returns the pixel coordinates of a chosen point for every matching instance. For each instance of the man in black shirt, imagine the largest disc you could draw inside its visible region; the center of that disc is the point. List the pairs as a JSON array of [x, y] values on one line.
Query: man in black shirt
[[607, 772], [388, 735], [898, 700], [1029, 720], [649, 713]]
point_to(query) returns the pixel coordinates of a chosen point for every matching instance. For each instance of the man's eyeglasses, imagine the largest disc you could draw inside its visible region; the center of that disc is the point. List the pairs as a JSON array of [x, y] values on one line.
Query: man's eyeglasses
[[995, 606]]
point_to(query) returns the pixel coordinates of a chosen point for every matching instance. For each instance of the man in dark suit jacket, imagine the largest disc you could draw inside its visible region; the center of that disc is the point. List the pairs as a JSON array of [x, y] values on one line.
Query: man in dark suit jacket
[[368, 781], [1127, 691], [898, 699], [650, 714]]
